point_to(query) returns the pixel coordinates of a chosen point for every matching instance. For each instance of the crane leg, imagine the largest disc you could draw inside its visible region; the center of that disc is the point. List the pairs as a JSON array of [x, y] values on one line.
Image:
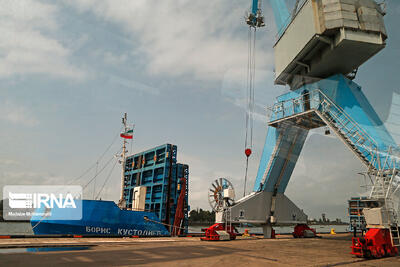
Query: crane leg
[[267, 230]]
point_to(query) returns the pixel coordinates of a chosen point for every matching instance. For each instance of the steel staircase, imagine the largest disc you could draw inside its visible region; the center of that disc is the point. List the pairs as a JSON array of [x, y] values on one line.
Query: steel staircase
[[376, 158], [381, 162], [380, 165], [348, 131]]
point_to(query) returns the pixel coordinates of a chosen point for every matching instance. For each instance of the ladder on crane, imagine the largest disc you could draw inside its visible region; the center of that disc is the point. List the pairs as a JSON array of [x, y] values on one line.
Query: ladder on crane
[[394, 235], [349, 131], [382, 165]]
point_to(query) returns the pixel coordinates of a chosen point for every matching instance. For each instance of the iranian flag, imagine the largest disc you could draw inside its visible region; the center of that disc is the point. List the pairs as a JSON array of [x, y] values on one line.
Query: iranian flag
[[127, 135]]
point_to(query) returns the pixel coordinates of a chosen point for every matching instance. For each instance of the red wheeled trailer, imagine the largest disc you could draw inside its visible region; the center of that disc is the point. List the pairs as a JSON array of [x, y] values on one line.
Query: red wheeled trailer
[[303, 231], [219, 232]]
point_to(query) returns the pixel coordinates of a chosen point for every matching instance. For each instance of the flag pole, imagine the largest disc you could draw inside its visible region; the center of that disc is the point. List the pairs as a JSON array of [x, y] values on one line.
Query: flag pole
[[123, 155]]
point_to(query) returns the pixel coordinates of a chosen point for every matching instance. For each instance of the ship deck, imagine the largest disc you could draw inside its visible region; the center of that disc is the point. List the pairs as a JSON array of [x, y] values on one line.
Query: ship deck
[[330, 250]]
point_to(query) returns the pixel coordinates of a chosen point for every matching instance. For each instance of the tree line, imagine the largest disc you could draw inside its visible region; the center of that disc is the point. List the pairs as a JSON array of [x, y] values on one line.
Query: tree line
[[201, 216]]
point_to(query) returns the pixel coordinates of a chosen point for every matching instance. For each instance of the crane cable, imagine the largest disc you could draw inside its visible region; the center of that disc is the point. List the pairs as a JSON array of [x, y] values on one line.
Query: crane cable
[[106, 180], [97, 174], [251, 73], [97, 161], [89, 169]]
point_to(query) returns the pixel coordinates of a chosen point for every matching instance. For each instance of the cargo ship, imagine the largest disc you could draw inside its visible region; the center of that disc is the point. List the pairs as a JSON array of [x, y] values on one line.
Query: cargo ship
[[153, 202]]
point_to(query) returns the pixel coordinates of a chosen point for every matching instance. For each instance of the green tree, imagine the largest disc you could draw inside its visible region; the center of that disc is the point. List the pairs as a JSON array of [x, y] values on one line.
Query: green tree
[[201, 216]]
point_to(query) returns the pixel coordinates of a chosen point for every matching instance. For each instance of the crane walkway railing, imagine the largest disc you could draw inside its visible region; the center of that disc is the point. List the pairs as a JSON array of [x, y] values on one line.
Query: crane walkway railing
[[348, 130], [382, 161]]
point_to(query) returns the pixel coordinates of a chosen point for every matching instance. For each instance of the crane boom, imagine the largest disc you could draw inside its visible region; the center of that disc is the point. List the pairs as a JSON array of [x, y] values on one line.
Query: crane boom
[[255, 18], [281, 14], [256, 6]]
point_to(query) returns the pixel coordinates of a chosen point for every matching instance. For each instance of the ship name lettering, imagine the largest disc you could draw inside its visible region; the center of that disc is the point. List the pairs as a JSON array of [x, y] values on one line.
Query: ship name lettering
[[101, 230], [122, 231], [126, 231]]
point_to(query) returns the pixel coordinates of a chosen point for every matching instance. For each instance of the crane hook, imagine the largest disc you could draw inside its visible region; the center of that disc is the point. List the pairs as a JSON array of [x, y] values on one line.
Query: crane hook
[[247, 152]]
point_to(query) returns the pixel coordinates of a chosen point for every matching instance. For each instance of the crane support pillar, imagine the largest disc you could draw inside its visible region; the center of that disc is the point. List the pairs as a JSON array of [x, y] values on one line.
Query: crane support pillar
[[281, 151], [267, 230], [336, 102]]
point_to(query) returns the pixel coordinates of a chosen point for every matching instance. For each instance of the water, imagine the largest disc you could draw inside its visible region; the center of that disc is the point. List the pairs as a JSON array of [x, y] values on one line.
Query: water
[[15, 228], [39, 249], [54, 249]]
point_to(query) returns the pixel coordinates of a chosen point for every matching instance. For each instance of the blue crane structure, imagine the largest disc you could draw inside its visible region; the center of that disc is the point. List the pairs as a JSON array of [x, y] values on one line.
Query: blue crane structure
[[281, 12], [317, 55]]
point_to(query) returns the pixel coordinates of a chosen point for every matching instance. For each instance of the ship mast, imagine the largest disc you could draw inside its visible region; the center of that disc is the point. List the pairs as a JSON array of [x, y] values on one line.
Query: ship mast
[[123, 156]]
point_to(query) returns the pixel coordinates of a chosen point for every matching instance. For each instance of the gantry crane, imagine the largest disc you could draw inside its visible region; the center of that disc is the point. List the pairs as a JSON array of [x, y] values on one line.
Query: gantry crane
[[320, 45]]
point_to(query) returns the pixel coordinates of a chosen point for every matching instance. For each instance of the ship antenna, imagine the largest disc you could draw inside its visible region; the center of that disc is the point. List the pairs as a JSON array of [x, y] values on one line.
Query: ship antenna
[[123, 155]]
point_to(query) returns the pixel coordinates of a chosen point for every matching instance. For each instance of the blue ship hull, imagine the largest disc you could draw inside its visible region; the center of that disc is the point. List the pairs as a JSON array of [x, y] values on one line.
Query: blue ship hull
[[100, 218]]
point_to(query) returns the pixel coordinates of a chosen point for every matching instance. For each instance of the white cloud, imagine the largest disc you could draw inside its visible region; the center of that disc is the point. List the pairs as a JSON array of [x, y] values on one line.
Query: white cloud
[[132, 84], [16, 113], [325, 177], [181, 37], [392, 122], [398, 9], [204, 172], [25, 43], [9, 162], [234, 87], [109, 57], [114, 59], [26, 177]]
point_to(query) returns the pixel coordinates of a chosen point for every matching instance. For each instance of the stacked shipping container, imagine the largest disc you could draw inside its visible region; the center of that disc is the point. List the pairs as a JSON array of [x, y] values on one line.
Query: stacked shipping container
[[157, 169]]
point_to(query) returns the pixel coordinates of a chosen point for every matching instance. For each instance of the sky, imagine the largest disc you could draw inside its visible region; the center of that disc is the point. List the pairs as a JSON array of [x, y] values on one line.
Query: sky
[[70, 69]]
